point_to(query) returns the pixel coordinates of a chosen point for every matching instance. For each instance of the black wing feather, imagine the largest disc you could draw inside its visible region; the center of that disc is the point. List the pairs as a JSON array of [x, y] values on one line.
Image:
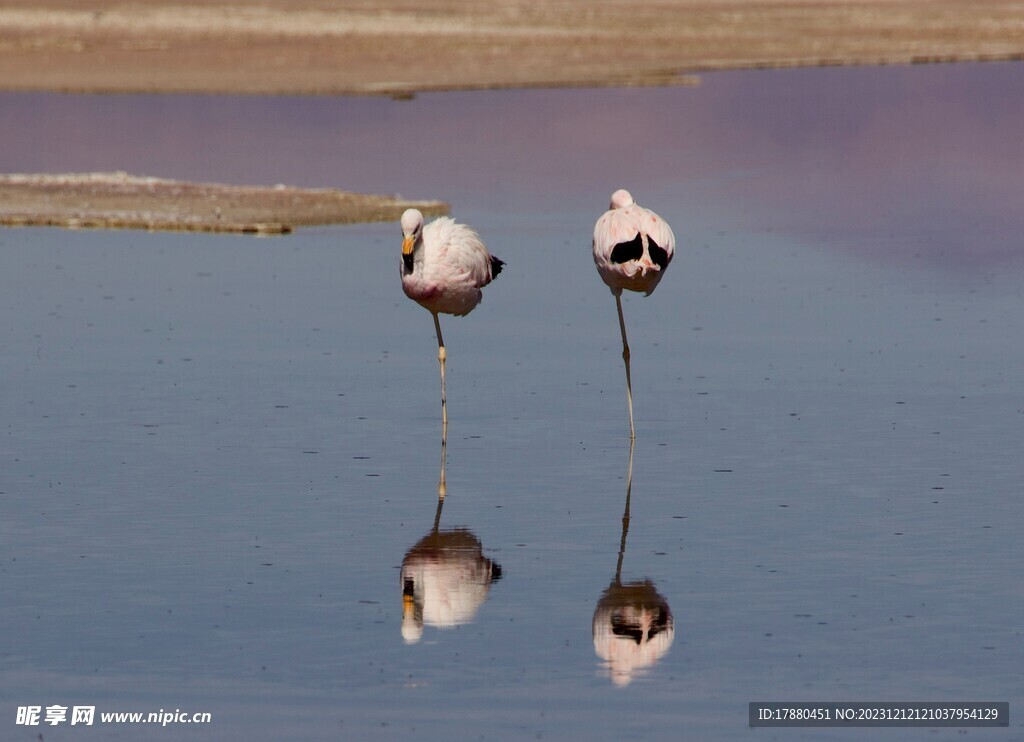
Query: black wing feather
[[658, 254], [626, 251]]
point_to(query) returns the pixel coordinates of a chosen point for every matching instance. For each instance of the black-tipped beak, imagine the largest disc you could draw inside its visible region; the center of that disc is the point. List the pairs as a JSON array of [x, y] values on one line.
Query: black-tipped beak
[[408, 248]]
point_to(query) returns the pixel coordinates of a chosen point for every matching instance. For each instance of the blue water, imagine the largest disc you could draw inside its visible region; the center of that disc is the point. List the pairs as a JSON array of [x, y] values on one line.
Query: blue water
[[220, 451]]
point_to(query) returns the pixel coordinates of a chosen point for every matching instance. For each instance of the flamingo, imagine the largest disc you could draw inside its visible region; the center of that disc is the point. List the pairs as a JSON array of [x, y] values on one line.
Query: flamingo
[[444, 266], [632, 249]]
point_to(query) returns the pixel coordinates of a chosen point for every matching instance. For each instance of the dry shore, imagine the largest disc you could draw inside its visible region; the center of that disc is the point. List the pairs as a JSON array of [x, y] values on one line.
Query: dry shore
[[401, 46]]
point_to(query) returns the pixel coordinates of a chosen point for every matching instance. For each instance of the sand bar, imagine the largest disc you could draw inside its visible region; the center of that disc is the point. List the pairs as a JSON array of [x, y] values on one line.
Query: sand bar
[[119, 200]]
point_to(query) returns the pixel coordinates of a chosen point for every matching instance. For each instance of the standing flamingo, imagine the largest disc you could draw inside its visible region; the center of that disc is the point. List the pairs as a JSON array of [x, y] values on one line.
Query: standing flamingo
[[632, 249], [444, 266]]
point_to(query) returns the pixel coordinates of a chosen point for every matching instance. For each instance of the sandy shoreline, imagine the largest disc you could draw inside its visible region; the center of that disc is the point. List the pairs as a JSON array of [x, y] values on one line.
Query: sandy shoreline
[[398, 47]]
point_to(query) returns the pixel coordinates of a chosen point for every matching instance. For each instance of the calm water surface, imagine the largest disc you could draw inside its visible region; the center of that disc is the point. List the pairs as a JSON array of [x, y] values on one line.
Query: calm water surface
[[220, 455]]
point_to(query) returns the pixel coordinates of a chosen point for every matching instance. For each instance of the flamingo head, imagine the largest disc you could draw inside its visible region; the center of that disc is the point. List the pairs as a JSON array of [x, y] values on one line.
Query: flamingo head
[[412, 232], [621, 199]]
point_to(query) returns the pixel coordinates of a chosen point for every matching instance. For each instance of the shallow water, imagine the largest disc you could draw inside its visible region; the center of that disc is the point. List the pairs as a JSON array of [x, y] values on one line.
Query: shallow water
[[220, 452]]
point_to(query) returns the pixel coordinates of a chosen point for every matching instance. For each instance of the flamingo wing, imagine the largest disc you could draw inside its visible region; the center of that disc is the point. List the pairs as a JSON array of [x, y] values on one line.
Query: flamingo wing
[[617, 237], [661, 243]]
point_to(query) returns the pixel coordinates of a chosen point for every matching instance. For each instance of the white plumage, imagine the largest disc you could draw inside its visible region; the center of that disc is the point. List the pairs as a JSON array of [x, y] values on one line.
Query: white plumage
[[633, 247], [444, 266]]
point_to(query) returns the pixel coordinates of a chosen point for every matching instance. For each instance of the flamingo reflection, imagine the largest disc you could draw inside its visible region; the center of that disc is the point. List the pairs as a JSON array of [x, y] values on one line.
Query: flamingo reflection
[[633, 626], [445, 576]]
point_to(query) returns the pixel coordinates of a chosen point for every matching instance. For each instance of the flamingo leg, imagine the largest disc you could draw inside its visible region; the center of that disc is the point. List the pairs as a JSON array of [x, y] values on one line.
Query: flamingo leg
[[442, 487], [441, 356], [625, 358]]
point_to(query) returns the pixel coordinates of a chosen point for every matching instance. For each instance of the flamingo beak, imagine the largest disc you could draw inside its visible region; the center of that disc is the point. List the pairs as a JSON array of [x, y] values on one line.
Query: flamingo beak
[[408, 242]]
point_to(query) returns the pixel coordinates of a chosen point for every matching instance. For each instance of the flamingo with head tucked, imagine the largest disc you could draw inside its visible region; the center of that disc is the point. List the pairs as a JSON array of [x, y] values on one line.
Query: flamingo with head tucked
[[633, 247]]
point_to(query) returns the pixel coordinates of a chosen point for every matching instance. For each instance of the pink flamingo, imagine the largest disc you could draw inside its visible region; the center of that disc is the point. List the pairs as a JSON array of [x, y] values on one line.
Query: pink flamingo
[[632, 249]]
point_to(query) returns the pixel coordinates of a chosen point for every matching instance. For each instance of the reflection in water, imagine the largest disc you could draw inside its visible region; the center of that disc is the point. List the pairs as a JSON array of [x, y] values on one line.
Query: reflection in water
[[445, 576], [633, 626]]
